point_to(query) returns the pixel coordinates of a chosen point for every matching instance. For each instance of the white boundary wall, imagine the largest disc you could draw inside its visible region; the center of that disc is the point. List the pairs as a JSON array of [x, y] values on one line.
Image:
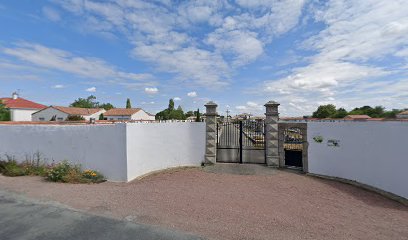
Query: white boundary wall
[[98, 147], [120, 151], [155, 146], [372, 153]]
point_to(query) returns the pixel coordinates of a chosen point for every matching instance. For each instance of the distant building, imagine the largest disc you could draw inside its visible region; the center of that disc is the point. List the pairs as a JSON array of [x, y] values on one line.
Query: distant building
[[403, 115], [62, 113], [357, 117], [128, 114], [242, 116], [20, 108]]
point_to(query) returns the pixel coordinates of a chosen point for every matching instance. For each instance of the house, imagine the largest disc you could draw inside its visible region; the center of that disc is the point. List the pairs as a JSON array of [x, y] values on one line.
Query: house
[[20, 108], [403, 115], [62, 113], [357, 117], [128, 114]]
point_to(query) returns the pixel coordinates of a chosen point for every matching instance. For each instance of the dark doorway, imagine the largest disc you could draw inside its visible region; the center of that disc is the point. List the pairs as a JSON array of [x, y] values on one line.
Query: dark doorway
[[293, 158]]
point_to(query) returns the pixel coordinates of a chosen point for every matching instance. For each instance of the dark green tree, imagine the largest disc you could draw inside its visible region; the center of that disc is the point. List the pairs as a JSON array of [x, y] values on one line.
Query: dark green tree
[[340, 113], [171, 113], [101, 117], [128, 104], [75, 118], [4, 113], [106, 106], [325, 111], [89, 102], [171, 104], [198, 117]]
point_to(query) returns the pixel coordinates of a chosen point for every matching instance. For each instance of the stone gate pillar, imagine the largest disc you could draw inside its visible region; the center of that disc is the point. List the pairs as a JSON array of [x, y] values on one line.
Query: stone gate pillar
[[271, 134], [211, 132]]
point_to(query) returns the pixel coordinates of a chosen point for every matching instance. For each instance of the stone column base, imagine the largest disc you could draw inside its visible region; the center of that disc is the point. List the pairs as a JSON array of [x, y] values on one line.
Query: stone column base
[[272, 161]]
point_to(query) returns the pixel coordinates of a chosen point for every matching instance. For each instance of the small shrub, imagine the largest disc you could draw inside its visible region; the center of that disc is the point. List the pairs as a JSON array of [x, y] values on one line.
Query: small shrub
[[74, 175], [57, 173], [93, 176], [12, 169]]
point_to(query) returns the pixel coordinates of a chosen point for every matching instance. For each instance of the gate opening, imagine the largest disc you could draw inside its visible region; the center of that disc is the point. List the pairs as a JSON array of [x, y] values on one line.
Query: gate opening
[[293, 147], [241, 141]]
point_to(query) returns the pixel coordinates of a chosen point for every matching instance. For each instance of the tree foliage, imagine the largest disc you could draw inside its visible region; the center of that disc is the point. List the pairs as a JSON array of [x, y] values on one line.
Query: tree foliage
[[170, 113], [198, 117], [128, 104], [4, 113], [90, 102], [330, 111], [75, 118], [325, 111]]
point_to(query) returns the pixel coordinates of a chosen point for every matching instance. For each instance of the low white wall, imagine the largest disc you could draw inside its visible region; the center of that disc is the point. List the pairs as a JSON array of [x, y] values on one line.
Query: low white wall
[[156, 146], [373, 153], [98, 147]]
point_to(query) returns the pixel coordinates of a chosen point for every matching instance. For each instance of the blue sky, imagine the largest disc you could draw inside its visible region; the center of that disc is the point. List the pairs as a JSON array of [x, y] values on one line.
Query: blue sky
[[239, 54]]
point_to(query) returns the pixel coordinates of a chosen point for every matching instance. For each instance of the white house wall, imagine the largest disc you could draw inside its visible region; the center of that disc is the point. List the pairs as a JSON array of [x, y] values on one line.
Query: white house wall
[[373, 153], [95, 115], [155, 146], [21, 114], [98, 147], [48, 113], [142, 115]]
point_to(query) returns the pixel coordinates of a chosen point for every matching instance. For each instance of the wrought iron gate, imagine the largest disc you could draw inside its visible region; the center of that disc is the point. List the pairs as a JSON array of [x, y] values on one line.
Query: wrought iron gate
[[241, 141]]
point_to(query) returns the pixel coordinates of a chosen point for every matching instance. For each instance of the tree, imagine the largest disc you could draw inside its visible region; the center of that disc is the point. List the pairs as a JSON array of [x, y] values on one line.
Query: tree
[[106, 106], [75, 118], [171, 113], [190, 113], [101, 117], [171, 104], [4, 113], [341, 113], [128, 104], [325, 111], [89, 102], [198, 119]]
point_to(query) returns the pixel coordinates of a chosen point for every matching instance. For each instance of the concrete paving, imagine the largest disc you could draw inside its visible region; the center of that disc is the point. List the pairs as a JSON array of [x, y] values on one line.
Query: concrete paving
[[26, 219]]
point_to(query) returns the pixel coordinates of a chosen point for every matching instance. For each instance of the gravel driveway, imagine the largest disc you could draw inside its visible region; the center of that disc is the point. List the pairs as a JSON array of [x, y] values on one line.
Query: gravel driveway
[[270, 205]]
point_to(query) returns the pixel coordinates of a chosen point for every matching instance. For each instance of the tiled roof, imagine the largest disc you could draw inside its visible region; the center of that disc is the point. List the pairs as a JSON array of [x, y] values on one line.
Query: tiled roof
[[403, 113], [78, 111], [121, 111], [21, 103], [358, 116]]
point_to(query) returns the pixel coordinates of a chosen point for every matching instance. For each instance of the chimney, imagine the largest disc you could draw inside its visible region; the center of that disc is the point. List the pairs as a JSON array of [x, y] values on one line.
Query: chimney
[[14, 95]]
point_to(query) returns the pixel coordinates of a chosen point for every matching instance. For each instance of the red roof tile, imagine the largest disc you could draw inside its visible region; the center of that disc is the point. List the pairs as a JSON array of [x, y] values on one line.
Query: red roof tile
[[21, 103], [78, 111], [121, 111]]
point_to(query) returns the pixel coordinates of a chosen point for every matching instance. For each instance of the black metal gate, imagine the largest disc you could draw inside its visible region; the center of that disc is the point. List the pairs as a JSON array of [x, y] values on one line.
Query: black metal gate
[[241, 141]]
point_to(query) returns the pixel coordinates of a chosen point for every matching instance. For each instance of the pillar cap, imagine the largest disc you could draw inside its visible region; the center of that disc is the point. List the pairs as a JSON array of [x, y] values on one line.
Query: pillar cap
[[211, 104], [272, 104]]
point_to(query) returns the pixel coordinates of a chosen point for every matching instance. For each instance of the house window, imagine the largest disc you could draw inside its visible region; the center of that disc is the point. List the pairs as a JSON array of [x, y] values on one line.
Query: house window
[[60, 119], [41, 119]]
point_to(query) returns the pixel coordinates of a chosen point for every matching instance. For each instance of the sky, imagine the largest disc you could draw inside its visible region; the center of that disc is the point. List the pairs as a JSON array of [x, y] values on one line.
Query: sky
[[239, 54]]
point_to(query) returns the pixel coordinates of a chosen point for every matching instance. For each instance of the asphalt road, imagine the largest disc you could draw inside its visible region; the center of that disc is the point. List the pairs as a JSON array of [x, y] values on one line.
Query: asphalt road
[[27, 219]]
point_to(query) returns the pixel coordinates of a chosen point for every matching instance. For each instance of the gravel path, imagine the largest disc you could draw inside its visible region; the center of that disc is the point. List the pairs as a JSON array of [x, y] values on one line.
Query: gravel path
[[281, 205]]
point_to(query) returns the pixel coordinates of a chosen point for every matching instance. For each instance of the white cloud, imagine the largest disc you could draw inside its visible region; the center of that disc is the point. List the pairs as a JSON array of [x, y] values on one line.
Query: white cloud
[[51, 14], [177, 99], [359, 35], [56, 59], [192, 94], [250, 107], [151, 90], [91, 89], [58, 86], [166, 36]]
